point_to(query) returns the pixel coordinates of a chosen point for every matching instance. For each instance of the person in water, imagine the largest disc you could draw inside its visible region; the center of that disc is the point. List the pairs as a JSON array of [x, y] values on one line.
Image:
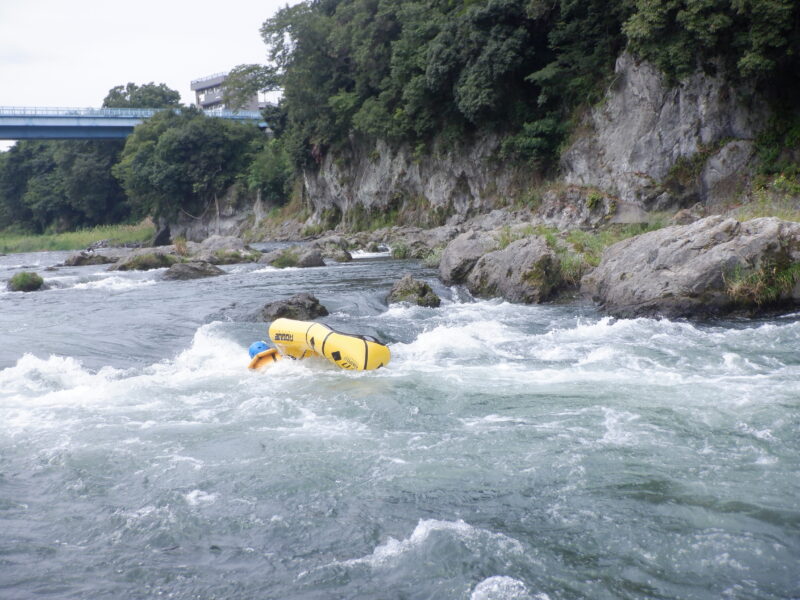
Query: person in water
[[262, 354]]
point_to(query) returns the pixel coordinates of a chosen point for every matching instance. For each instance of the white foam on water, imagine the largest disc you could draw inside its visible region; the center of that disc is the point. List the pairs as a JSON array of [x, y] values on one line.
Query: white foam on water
[[115, 283], [361, 254], [270, 269], [618, 428], [502, 587], [482, 338], [309, 424], [199, 497], [388, 553], [37, 379]]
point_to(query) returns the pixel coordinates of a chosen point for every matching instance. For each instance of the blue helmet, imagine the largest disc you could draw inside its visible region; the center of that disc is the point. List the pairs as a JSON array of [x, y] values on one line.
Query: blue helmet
[[258, 348]]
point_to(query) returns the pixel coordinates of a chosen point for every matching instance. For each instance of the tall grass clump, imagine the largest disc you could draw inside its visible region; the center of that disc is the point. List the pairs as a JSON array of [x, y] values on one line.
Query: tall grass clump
[[117, 235], [766, 285]]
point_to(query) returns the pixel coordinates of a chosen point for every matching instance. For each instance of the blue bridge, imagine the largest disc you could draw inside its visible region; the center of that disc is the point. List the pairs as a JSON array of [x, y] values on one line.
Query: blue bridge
[[18, 123]]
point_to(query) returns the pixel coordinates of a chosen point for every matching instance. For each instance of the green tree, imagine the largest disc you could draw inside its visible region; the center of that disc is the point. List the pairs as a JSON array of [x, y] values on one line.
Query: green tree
[[752, 38], [67, 184], [177, 162], [245, 81], [271, 172], [148, 95]]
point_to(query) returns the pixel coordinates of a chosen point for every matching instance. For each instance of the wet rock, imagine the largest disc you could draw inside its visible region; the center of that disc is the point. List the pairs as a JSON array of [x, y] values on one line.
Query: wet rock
[[411, 290], [222, 250], [711, 267], [334, 247], [294, 256], [339, 255], [527, 270], [303, 307], [86, 257], [145, 261], [192, 270], [460, 255], [25, 281]]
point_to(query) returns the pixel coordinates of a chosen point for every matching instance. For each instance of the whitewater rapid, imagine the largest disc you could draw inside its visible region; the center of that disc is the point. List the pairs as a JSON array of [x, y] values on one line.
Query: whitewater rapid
[[507, 451]]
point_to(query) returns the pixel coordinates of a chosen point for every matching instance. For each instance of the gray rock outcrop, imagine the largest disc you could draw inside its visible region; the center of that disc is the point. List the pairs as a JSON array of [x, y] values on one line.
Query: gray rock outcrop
[[460, 255], [414, 291], [192, 270], [527, 270], [711, 267], [371, 180], [303, 307], [646, 126]]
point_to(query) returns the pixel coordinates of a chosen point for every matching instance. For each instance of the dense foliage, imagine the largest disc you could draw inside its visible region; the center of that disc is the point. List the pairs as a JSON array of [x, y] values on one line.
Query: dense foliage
[[63, 185], [183, 161], [408, 70]]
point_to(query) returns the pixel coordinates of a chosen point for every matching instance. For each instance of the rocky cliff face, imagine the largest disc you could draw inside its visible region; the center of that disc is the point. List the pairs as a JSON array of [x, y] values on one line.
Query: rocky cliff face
[[364, 182], [233, 212], [651, 145], [658, 145]]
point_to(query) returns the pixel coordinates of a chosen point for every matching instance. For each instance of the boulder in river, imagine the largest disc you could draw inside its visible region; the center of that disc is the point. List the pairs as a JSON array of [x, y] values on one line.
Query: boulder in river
[[334, 247], [294, 256], [460, 255], [408, 289], [711, 267], [86, 257], [145, 261], [192, 270], [527, 270], [25, 281], [303, 307], [223, 250]]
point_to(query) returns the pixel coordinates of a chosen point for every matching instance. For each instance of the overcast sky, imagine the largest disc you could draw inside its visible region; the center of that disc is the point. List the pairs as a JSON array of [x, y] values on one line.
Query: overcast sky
[[70, 53]]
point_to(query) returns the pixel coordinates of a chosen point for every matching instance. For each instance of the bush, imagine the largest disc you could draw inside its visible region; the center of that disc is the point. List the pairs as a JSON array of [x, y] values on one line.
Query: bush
[[25, 281], [767, 285]]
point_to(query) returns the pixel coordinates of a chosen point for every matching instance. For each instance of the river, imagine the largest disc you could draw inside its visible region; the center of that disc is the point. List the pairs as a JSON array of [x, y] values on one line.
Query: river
[[506, 452]]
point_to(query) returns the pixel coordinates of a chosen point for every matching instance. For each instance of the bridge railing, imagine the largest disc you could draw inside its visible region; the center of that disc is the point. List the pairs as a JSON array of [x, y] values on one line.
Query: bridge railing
[[110, 113]]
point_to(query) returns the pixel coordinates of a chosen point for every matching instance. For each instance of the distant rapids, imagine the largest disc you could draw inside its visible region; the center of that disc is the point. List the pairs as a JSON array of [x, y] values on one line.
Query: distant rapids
[[507, 451]]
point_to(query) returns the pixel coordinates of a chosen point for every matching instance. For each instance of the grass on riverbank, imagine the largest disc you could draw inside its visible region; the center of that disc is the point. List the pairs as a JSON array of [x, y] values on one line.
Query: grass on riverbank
[[117, 235], [579, 251]]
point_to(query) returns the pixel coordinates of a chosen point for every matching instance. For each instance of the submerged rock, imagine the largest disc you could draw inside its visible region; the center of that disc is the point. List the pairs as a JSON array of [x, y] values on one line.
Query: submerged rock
[[192, 270], [527, 270], [303, 307], [711, 267], [408, 289]]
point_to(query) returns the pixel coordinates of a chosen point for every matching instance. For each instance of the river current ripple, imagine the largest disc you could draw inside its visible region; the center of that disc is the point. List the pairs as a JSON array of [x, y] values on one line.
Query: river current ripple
[[507, 452]]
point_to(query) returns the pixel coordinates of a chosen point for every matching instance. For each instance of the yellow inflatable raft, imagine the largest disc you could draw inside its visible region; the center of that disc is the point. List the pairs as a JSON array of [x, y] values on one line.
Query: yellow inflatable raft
[[301, 339]]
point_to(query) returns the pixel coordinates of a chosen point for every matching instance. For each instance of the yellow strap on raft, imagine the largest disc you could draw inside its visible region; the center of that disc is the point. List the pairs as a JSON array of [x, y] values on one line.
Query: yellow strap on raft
[[264, 359], [300, 339]]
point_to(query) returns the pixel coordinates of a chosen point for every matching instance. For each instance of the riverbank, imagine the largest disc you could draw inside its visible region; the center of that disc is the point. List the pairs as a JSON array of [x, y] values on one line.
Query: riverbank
[[112, 235]]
